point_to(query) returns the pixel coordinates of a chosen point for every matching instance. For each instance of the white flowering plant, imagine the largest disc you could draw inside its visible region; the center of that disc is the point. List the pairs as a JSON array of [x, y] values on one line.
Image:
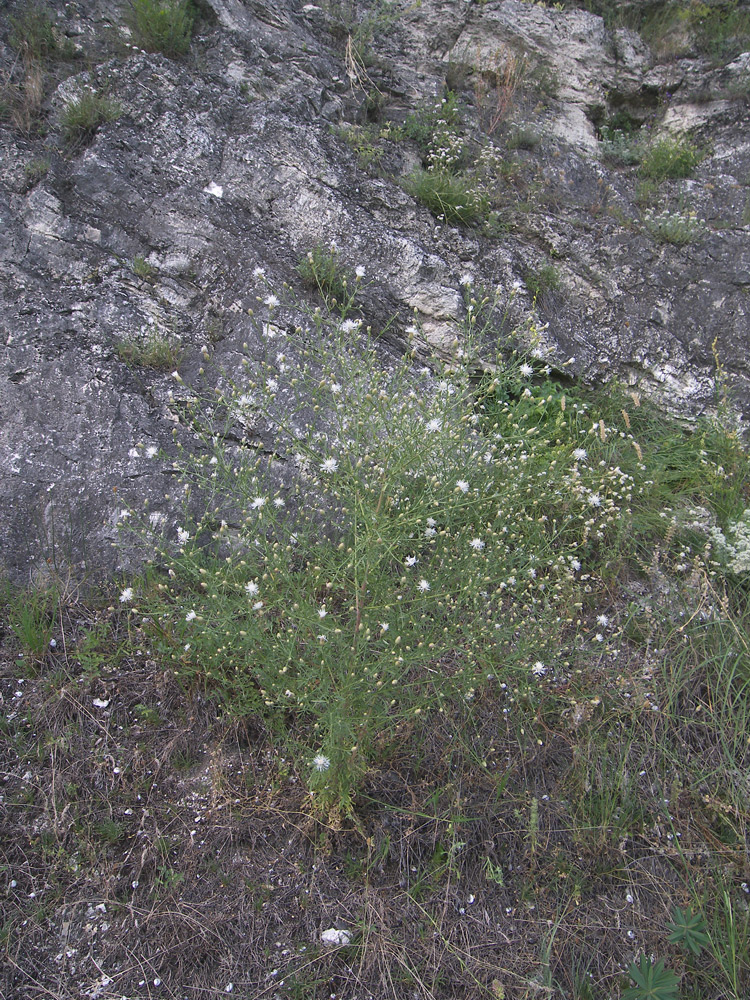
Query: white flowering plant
[[416, 536]]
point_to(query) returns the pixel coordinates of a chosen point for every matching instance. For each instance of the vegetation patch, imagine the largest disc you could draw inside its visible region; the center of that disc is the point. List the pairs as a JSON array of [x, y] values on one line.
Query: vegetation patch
[[720, 30], [477, 671], [676, 227], [545, 279], [164, 26], [322, 270], [156, 350], [37, 43], [84, 115], [449, 197], [670, 158]]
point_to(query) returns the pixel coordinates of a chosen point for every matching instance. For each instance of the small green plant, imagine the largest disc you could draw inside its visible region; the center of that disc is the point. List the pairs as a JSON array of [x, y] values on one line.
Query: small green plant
[[619, 147], [146, 715], [34, 36], [438, 118], [524, 137], [544, 280], [321, 270], [93, 650], [449, 197], [109, 830], [652, 981], [494, 872], [362, 140], [35, 171], [670, 158], [677, 228], [154, 351], [83, 115], [688, 928], [164, 26], [31, 618], [142, 269]]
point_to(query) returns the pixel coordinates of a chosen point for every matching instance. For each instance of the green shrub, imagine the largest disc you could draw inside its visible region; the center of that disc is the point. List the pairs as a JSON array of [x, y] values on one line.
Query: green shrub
[[34, 38], [322, 271], [670, 158], [546, 279], [142, 269], [33, 35], [619, 146], [447, 196], [35, 171], [32, 619], [653, 981], [719, 30], [390, 578], [155, 351], [162, 26], [524, 137], [82, 116], [678, 228]]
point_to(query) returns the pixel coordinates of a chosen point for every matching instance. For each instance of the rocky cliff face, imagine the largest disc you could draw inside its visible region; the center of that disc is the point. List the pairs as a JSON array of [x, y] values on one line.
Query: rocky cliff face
[[129, 243]]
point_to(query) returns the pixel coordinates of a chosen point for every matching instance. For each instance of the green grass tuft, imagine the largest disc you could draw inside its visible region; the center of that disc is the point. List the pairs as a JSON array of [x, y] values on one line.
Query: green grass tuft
[[84, 115], [164, 26]]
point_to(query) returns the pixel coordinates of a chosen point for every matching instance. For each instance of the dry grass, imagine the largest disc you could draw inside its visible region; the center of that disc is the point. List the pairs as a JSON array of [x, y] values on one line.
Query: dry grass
[[489, 855]]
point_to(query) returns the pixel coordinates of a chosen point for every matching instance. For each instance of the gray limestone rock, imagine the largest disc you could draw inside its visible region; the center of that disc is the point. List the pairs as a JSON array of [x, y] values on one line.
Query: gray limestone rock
[[234, 158]]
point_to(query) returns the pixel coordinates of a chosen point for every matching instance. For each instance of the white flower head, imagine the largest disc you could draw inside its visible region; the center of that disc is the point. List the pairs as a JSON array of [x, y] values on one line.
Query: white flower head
[[126, 595], [257, 606], [526, 370], [539, 669], [351, 325], [410, 561], [152, 451], [322, 611], [190, 616], [183, 536], [384, 626], [258, 502], [252, 588], [462, 485], [466, 280], [423, 585], [259, 272], [329, 465], [580, 454], [602, 620], [321, 762], [271, 301], [477, 544], [359, 272], [433, 425]]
